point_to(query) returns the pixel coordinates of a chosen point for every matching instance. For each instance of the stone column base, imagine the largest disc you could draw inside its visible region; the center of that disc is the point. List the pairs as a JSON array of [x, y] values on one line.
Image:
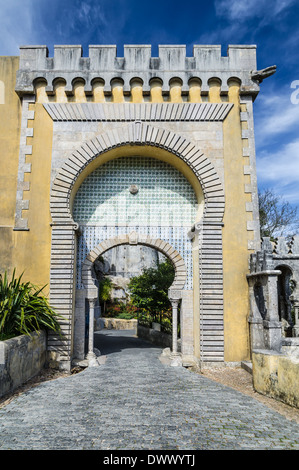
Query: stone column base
[[256, 334], [272, 335]]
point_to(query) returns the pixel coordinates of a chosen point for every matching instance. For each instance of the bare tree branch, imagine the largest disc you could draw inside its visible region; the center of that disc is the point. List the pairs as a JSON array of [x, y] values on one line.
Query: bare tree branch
[[277, 217]]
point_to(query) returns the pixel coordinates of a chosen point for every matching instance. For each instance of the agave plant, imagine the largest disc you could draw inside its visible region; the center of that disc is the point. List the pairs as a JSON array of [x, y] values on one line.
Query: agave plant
[[23, 309]]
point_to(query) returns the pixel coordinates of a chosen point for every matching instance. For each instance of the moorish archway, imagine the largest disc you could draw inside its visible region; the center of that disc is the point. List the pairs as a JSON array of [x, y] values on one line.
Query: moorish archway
[[69, 178]]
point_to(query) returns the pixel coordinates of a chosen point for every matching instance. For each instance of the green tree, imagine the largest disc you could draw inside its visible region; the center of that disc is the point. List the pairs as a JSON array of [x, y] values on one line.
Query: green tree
[[149, 291], [105, 287]]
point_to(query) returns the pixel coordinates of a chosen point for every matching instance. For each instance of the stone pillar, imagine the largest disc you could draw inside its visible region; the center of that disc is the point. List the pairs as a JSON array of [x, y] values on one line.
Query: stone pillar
[[295, 303], [175, 297], [265, 333], [91, 357], [79, 325], [187, 328], [272, 325], [175, 304], [255, 320]]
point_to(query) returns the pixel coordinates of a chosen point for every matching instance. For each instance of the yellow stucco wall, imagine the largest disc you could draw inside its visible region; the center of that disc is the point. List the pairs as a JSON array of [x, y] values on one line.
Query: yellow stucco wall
[[33, 248], [10, 120], [27, 251], [235, 238]]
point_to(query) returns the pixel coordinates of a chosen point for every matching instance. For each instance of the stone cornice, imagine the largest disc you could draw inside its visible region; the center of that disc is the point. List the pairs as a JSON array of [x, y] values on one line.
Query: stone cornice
[[138, 112]]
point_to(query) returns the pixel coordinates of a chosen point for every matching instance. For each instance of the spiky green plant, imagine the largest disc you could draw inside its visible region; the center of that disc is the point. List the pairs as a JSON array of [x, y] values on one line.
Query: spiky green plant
[[105, 287], [23, 309]]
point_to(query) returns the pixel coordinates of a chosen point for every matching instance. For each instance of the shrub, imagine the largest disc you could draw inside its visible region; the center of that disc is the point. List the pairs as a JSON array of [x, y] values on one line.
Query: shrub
[[113, 310], [165, 320], [121, 310], [22, 308], [145, 319]]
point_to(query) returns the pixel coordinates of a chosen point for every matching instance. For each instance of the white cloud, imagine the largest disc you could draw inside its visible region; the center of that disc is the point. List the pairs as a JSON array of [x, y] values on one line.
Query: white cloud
[[24, 22], [280, 170], [277, 143], [236, 20], [228, 34], [276, 115], [16, 26], [243, 10]]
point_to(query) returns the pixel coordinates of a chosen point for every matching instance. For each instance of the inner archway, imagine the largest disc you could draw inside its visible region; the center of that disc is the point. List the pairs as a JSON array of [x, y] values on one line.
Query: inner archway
[[89, 278], [133, 281]]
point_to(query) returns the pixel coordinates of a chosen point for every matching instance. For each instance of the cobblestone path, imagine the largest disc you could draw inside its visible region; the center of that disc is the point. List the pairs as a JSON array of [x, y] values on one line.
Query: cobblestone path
[[135, 402]]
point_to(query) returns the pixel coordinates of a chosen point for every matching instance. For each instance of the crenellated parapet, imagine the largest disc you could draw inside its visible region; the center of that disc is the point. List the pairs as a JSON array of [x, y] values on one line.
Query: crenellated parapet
[[172, 72], [281, 245], [273, 253]]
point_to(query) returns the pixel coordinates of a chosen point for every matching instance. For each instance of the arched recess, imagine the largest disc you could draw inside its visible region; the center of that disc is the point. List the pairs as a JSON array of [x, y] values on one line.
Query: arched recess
[[76, 167], [285, 285], [201, 173]]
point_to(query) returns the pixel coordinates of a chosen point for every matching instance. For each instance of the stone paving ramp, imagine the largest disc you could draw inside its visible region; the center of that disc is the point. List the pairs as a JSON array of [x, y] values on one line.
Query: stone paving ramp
[[135, 402]]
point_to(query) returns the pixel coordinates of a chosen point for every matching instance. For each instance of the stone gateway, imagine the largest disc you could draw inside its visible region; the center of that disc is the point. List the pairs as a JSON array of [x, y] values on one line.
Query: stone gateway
[[101, 151]]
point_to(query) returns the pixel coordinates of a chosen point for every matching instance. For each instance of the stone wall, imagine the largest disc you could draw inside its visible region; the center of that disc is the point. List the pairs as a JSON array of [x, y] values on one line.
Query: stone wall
[[156, 337], [276, 375], [117, 324], [21, 358]]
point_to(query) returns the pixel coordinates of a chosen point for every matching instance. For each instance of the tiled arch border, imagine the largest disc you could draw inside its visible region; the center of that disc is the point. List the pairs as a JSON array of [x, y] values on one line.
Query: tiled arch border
[[63, 246], [134, 239]]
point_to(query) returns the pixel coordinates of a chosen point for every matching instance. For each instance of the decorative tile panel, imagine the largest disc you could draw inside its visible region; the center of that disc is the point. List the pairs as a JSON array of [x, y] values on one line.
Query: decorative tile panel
[[164, 196]]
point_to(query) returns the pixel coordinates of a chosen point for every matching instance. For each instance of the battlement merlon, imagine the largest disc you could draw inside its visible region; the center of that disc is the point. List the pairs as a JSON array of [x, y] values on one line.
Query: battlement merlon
[[102, 62]]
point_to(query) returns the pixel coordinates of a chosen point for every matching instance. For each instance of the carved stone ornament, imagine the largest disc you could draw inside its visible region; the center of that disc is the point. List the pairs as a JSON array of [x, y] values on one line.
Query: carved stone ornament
[[260, 75], [133, 189], [133, 238], [174, 294]]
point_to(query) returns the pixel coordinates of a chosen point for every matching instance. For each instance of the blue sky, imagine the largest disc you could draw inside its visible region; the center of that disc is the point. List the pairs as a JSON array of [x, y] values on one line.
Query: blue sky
[[273, 25]]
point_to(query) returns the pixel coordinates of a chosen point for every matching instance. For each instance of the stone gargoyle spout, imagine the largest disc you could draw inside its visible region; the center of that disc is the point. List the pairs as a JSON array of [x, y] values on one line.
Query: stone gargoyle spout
[[260, 75]]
